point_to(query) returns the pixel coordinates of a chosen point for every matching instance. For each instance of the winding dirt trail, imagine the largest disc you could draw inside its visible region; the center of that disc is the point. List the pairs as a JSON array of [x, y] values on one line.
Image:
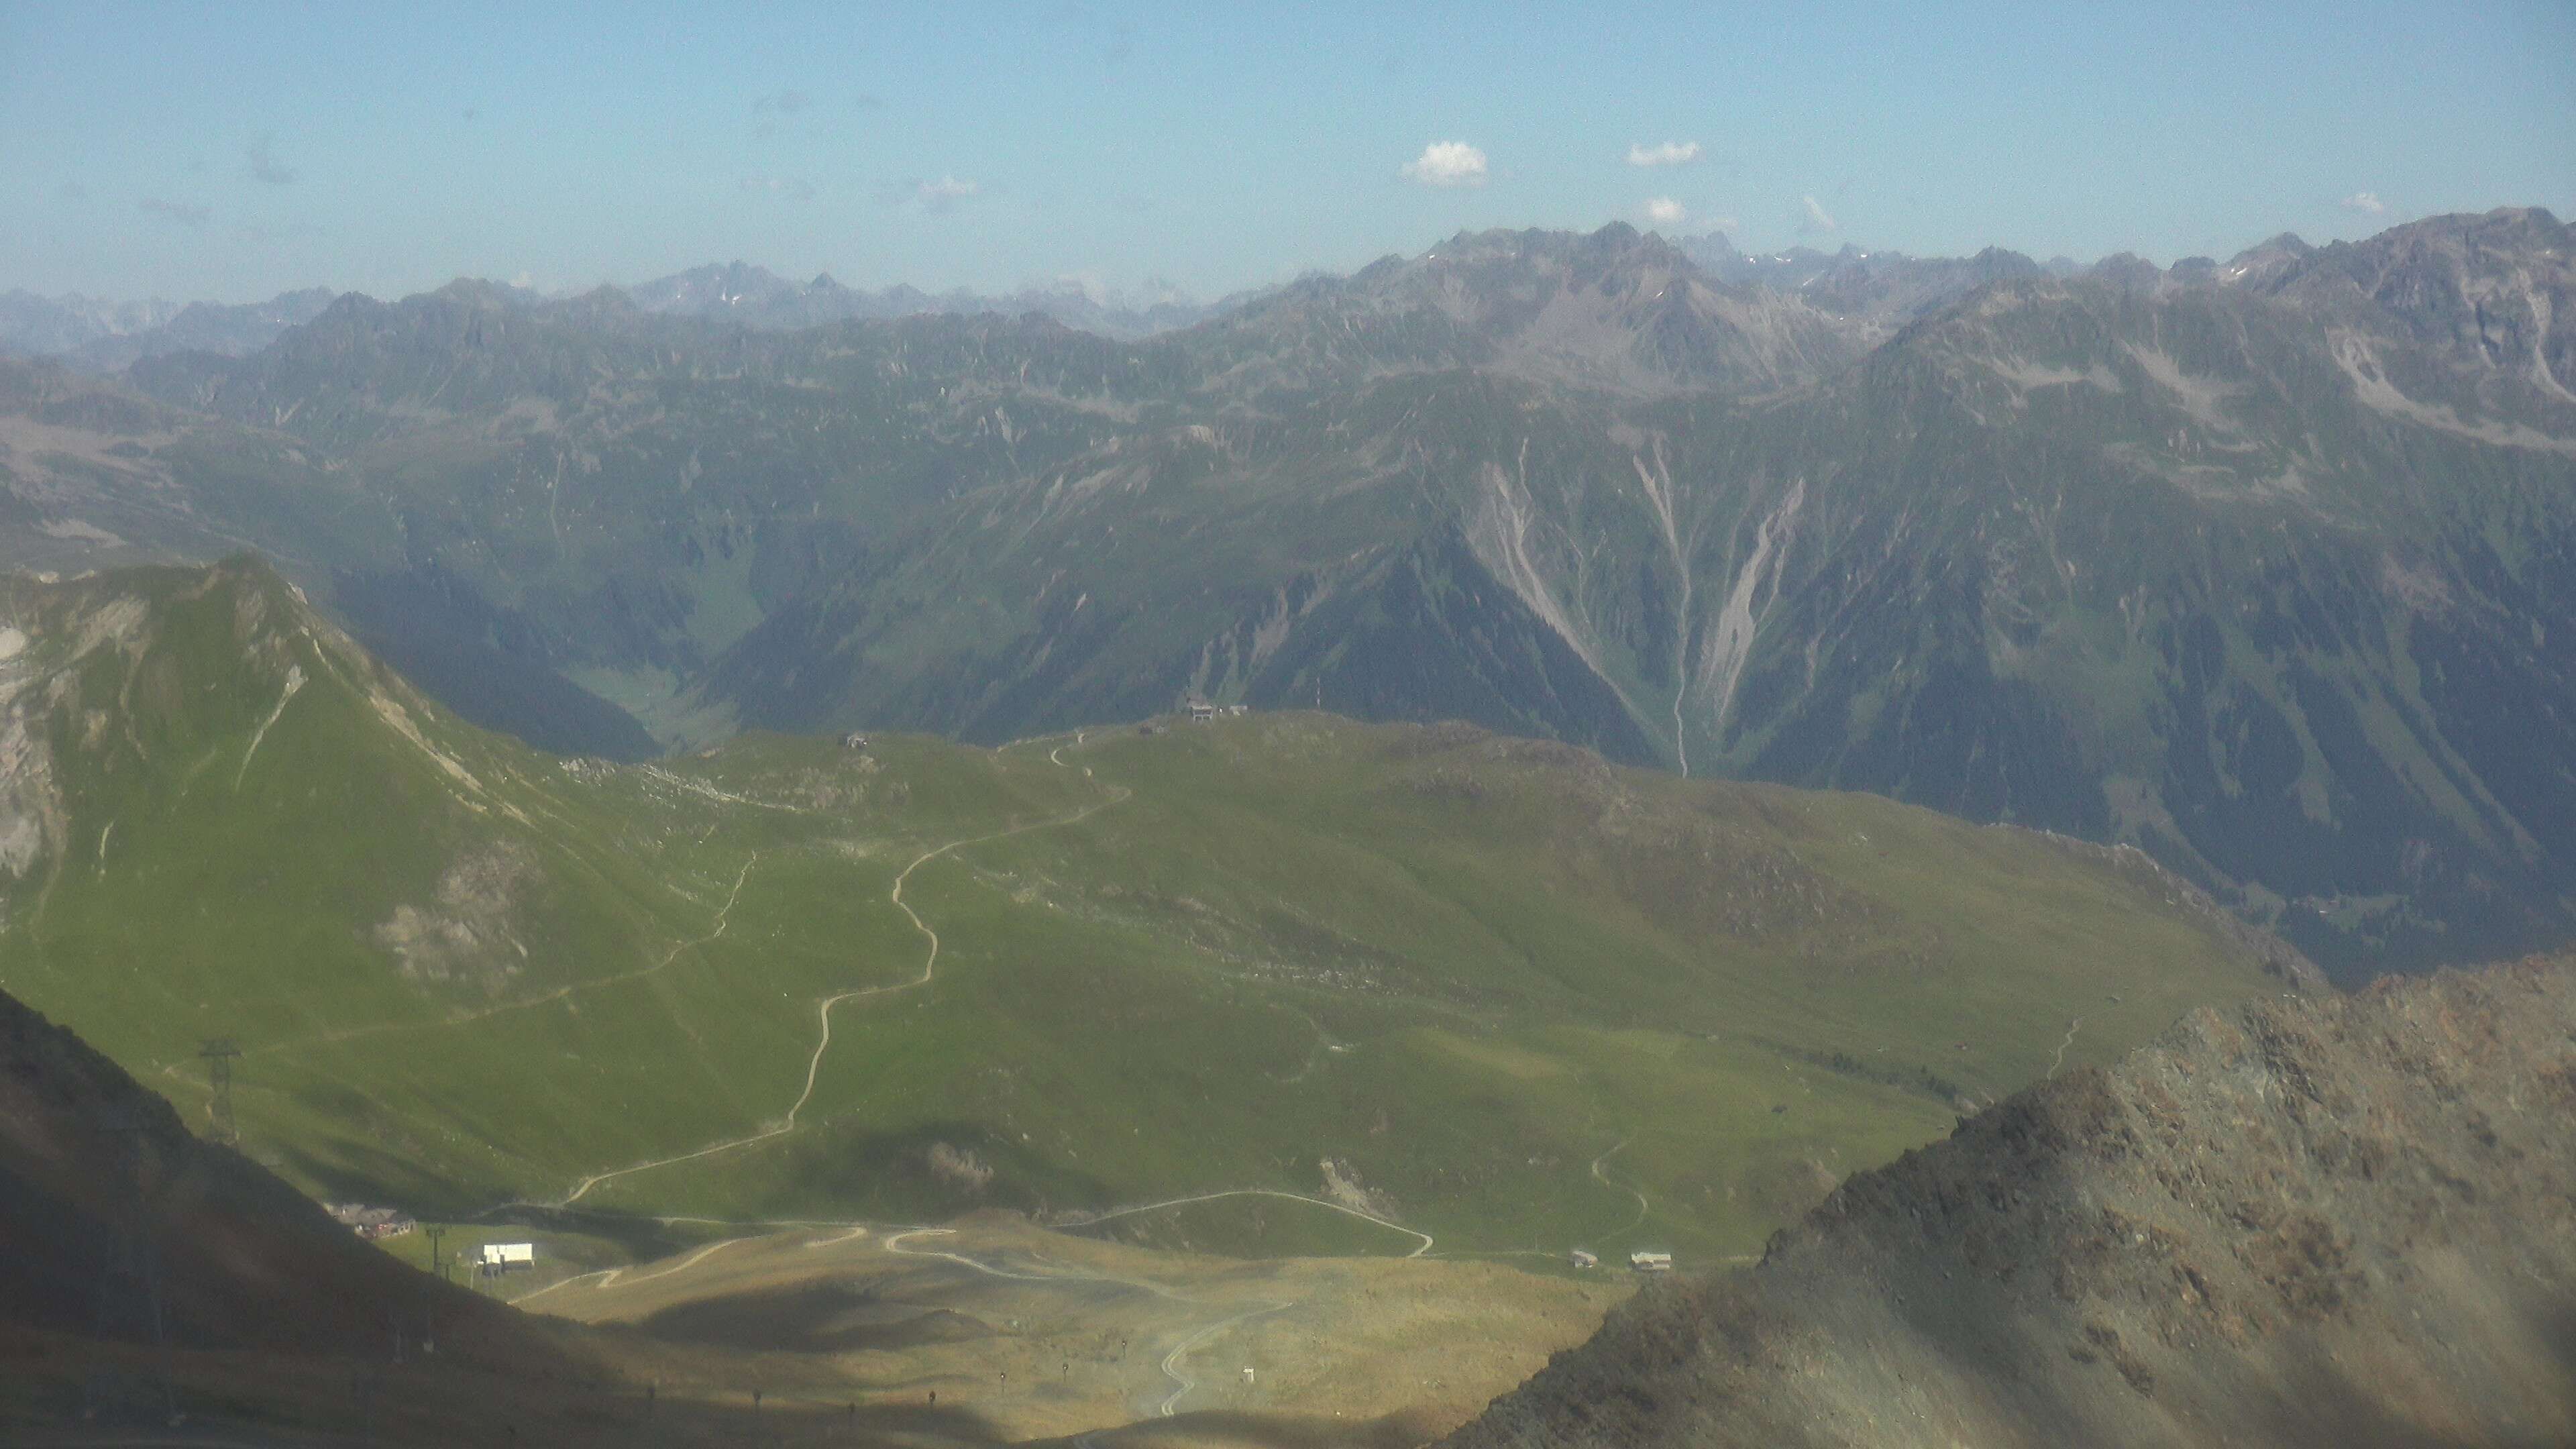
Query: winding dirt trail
[[894, 1244], [1604, 1179], [1174, 1363], [823, 1008], [2059, 1060], [1368, 1217], [609, 1276]]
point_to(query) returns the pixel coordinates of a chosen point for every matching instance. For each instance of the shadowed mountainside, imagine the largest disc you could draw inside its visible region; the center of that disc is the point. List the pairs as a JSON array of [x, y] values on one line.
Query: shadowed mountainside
[[115, 1221], [157, 1288], [2318, 1221]]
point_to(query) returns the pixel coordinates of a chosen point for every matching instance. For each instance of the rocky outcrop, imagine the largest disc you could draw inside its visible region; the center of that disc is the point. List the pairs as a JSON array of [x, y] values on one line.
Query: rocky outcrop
[[2323, 1220]]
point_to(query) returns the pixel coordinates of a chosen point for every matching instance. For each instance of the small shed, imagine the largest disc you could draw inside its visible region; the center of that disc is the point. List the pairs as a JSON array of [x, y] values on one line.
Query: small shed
[[1585, 1258], [1201, 711], [1646, 1260]]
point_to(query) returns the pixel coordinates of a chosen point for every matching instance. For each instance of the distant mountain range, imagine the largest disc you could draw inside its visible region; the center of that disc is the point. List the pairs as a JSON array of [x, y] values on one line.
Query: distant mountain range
[[98, 336], [2265, 566], [753, 297], [104, 337]]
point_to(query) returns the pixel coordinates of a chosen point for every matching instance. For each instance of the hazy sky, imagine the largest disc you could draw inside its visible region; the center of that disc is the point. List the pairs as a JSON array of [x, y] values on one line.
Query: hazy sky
[[233, 151]]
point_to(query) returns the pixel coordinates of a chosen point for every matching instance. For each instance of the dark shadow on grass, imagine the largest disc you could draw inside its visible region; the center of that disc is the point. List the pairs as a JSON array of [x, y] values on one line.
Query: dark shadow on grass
[[352, 1171], [643, 1239], [907, 1175], [825, 1317], [1238, 1430]]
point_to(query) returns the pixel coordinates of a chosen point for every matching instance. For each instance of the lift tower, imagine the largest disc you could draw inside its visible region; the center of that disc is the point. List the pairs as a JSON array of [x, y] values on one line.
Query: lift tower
[[219, 1053]]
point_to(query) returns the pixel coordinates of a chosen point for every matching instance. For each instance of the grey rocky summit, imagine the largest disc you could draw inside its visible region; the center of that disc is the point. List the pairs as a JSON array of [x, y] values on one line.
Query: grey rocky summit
[[2322, 1221]]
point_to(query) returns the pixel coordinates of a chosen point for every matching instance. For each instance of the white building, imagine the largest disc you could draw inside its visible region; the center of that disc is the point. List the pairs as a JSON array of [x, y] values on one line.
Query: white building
[[1647, 1261]]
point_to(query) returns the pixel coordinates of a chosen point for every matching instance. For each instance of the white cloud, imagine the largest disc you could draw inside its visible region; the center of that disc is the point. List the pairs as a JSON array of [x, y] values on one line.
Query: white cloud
[[1815, 218], [1448, 163], [1664, 211], [945, 194], [1671, 153], [2365, 202]]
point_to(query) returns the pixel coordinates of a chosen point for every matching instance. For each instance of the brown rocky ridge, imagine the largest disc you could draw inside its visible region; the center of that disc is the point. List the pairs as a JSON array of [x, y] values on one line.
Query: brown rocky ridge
[[2322, 1220]]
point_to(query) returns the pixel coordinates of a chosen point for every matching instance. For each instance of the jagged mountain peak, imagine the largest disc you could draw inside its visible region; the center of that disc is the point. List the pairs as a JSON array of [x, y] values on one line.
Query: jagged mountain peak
[[485, 294], [2494, 290], [1617, 246], [1891, 287], [2261, 266], [601, 304], [717, 286], [2454, 247], [2127, 269], [1613, 309]]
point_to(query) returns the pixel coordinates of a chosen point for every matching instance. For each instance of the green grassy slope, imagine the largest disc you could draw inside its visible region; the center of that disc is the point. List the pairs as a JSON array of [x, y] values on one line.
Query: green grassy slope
[[1490, 991]]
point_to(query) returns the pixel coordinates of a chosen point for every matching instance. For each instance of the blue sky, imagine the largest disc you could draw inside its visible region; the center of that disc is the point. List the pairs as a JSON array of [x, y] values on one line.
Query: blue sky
[[232, 151]]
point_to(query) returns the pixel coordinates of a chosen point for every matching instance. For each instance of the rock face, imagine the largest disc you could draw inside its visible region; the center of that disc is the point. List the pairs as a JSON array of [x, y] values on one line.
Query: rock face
[[2324, 1220]]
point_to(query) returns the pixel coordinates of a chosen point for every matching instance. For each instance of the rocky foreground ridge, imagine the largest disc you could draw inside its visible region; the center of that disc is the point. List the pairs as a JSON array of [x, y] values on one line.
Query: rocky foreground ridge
[[2321, 1220]]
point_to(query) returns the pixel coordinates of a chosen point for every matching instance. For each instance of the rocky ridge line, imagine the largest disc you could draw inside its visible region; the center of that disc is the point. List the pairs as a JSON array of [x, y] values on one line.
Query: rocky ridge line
[[2322, 1220]]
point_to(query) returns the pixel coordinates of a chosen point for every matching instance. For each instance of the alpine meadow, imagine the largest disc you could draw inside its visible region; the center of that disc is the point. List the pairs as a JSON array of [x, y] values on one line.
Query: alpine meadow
[[1133, 727]]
